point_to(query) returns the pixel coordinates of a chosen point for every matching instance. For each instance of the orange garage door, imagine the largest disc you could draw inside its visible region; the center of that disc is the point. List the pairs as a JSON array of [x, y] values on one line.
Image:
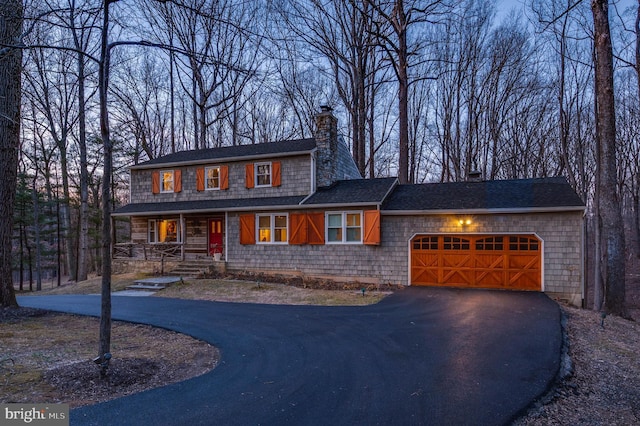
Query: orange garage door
[[481, 261]]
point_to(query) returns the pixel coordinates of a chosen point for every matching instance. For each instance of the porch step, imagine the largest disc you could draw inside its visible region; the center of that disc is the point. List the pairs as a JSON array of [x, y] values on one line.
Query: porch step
[[155, 283], [193, 268]]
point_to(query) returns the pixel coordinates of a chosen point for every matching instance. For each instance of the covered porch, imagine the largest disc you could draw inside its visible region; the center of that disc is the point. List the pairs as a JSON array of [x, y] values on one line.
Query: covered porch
[[174, 237]]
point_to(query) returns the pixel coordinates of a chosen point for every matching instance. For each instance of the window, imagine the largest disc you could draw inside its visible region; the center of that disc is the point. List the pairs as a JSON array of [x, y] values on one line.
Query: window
[[345, 227], [490, 244], [263, 174], [167, 180], [212, 177], [455, 243], [272, 228], [523, 244], [164, 231], [426, 243]]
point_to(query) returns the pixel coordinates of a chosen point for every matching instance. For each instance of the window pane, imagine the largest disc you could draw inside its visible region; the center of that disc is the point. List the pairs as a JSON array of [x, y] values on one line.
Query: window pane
[[353, 219], [264, 221], [335, 220], [264, 235], [167, 181], [213, 178], [152, 231], [263, 174], [335, 234], [353, 234], [280, 235], [281, 221]]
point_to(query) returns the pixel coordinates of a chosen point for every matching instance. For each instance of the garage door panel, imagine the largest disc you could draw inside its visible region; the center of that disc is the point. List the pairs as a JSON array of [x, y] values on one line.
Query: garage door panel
[[484, 261], [490, 278]]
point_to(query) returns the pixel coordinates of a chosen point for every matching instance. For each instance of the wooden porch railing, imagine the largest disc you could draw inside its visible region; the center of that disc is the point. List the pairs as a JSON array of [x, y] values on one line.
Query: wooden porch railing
[[147, 251]]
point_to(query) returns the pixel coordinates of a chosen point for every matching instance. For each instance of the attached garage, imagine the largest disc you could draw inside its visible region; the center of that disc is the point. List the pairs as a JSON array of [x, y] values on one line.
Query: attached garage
[[511, 262]]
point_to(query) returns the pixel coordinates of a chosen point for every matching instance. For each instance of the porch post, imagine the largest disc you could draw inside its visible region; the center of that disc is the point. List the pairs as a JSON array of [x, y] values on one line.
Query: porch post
[[183, 231]]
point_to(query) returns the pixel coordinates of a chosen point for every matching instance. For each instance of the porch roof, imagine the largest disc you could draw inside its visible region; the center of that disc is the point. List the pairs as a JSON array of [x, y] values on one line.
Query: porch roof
[[204, 206]]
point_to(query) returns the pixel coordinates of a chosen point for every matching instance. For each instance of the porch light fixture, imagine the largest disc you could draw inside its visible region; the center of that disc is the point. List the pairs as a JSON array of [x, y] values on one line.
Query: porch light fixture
[[464, 221]]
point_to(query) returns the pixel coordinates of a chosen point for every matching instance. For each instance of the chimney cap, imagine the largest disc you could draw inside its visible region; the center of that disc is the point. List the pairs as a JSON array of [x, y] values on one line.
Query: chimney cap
[[475, 176], [325, 108]]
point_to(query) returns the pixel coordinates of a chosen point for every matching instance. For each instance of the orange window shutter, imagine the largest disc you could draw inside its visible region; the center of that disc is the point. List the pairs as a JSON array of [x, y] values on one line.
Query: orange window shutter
[[372, 227], [224, 177], [249, 175], [247, 229], [315, 228], [298, 228], [177, 180], [155, 182], [277, 174], [200, 179]]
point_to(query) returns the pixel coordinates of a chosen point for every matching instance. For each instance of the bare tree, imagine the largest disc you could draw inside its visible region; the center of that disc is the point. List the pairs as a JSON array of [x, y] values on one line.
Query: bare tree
[[342, 33], [392, 22], [10, 86], [611, 225]]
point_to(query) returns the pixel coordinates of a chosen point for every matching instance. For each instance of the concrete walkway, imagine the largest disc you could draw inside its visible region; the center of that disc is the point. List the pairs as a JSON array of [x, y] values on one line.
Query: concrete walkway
[[421, 356]]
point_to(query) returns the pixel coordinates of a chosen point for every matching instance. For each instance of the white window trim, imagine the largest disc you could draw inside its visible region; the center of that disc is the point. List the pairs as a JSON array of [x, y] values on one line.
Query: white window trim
[[173, 181], [344, 226], [255, 174], [206, 178], [272, 223]]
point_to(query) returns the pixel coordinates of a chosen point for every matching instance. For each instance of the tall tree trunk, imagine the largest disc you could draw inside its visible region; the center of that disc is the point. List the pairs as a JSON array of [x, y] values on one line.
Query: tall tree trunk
[[103, 84], [83, 237], [612, 228], [65, 211], [636, 196], [403, 94], [10, 91], [36, 231]]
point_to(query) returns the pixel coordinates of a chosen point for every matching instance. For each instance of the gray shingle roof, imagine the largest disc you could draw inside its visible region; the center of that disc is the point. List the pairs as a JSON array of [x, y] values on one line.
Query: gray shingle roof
[[227, 152], [355, 191], [542, 193], [175, 207], [521, 194]]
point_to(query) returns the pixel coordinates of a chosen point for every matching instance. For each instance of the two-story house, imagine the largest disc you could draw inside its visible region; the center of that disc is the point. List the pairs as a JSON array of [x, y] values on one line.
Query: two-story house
[[301, 207]]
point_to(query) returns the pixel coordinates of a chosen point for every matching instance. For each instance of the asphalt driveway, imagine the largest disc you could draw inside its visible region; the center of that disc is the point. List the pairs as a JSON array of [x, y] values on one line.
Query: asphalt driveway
[[421, 356]]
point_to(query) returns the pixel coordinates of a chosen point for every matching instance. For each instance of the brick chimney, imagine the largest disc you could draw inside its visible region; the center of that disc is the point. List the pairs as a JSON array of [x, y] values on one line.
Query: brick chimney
[[326, 136]]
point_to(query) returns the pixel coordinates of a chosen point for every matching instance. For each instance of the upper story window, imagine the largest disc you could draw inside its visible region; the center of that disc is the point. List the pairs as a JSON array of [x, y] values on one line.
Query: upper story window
[[166, 180], [272, 228], [344, 227], [212, 180], [264, 174]]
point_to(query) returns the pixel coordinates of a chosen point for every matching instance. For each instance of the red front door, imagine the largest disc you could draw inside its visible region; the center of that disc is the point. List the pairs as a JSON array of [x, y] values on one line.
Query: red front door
[[215, 236]]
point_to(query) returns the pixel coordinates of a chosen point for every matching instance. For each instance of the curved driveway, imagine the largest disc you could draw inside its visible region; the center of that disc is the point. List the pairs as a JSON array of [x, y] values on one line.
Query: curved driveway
[[421, 356]]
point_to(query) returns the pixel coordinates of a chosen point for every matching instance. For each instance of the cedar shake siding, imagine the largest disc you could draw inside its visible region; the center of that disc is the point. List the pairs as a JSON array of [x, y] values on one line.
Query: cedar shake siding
[[294, 179], [388, 262]]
